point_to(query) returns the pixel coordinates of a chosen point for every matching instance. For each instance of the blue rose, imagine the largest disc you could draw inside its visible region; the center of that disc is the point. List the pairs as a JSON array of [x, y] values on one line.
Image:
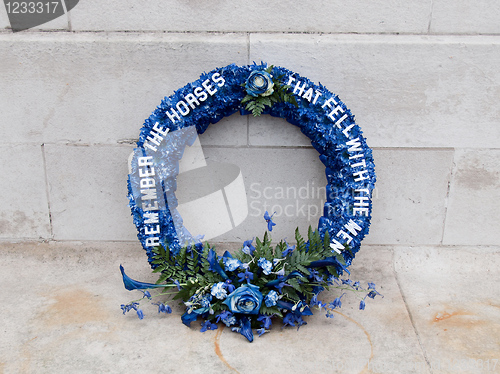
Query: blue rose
[[259, 83], [246, 299]]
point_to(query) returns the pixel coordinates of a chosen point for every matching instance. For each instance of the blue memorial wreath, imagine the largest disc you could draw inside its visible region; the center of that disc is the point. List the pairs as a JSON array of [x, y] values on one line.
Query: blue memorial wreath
[[248, 288]]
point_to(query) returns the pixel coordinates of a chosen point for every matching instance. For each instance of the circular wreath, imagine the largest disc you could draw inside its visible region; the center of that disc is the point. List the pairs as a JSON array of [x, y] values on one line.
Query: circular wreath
[[255, 283]]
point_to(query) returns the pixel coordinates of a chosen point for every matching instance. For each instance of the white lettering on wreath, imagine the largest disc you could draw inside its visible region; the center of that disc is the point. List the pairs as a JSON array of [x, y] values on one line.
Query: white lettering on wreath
[[192, 100], [149, 197]]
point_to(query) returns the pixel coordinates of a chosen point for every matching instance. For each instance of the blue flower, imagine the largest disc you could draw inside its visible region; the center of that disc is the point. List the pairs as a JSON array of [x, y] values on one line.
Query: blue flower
[[162, 308], [316, 276], [347, 281], [289, 320], [246, 299], [227, 318], [229, 321], [259, 83], [299, 309], [231, 264], [223, 315], [146, 294], [261, 331], [192, 315], [266, 321], [280, 286], [218, 290], [266, 265], [205, 301], [271, 298], [129, 307], [140, 314], [300, 321], [248, 248], [289, 249], [246, 328], [362, 305], [270, 223], [207, 325], [337, 303], [213, 260], [371, 286], [246, 275], [230, 288], [131, 284]]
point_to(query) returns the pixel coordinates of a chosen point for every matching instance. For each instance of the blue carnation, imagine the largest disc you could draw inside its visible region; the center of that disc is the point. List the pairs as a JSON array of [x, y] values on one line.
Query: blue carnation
[[219, 291], [231, 264], [271, 298], [266, 265]]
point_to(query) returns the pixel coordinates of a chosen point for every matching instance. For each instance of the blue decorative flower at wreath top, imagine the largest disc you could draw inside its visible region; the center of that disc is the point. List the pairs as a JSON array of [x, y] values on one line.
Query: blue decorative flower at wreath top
[[257, 89]]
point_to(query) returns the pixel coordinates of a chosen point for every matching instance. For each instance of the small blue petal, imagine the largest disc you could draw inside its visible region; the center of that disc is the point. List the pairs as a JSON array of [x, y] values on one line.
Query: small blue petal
[[246, 329], [362, 305], [140, 314], [131, 284]]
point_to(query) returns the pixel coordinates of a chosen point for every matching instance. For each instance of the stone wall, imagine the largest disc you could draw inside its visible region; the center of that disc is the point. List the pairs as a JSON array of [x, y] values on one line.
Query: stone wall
[[421, 77]]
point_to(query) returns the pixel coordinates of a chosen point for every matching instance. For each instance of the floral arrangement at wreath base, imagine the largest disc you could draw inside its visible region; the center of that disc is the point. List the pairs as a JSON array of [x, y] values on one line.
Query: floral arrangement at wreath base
[[252, 287], [260, 283]]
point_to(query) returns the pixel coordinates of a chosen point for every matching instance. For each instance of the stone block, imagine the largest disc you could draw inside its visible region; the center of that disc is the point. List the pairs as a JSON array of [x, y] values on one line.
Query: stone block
[[272, 131], [465, 17], [410, 195], [411, 185], [474, 203], [25, 210], [257, 16], [405, 91], [288, 181], [88, 192], [99, 88], [229, 131]]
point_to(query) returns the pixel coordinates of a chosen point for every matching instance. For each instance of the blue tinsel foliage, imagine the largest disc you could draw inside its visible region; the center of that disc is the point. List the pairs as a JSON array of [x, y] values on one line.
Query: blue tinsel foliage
[[312, 119]]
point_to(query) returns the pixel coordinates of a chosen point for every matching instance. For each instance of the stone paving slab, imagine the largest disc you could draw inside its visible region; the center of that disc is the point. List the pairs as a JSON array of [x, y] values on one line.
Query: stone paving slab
[[453, 298], [61, 315]]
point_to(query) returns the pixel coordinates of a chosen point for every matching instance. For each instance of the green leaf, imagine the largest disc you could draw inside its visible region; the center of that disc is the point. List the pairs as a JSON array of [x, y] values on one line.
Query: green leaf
[[270, 310], [269, 69], [247, 98], [332, 270], [266, 101], [340, 259], [302, 269]]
